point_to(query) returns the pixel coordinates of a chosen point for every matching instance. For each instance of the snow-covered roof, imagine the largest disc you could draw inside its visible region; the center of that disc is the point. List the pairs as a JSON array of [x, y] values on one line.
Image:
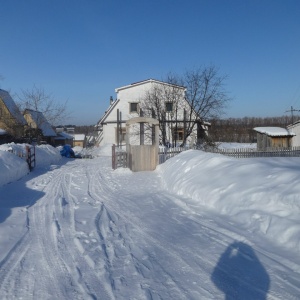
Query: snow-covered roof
[[79, 137], [41, 122], [63, 135], [12, 107], [274, 131]]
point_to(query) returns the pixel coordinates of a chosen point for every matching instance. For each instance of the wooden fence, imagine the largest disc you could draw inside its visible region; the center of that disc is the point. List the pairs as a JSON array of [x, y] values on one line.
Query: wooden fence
[[253, 152], [119, 158], [28, 155], [166, 153], [30, 151]]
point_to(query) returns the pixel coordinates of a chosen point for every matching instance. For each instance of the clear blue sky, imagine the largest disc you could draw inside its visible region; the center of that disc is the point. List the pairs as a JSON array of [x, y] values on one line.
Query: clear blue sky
[[81, 50]]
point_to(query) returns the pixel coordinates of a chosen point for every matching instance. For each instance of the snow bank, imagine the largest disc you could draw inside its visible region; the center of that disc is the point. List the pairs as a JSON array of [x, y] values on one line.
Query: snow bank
[[13, 166], [263, 195], [46, 155]]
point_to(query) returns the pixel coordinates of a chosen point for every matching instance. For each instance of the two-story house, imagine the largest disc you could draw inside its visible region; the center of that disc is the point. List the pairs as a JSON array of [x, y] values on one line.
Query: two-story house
[[152, 98]]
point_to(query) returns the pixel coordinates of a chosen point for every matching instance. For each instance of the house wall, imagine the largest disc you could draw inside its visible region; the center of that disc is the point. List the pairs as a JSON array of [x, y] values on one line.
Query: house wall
[[264, 141], [295, 139], [8, 122], [78, 143]]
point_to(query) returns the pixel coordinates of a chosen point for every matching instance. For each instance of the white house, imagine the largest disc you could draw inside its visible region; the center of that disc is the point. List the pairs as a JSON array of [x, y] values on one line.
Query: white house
[[131, 98], [295, 128]]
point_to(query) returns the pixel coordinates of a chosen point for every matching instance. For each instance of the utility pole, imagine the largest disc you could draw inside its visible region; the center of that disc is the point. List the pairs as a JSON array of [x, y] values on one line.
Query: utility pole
[[292, 113]]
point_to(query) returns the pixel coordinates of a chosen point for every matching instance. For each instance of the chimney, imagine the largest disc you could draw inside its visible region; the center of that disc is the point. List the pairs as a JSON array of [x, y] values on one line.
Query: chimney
[[111, 100]]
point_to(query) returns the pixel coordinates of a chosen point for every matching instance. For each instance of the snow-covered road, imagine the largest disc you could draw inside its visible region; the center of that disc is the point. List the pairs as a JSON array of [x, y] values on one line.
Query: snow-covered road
[[83, 231]]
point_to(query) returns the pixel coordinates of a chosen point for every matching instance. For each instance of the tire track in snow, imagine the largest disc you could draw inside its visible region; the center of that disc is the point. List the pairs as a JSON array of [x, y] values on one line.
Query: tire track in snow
[[105, 186], [88, 279]]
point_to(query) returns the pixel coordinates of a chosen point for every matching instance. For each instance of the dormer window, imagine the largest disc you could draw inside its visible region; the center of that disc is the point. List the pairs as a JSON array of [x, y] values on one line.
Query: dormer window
[[169, 106], [133, 107]]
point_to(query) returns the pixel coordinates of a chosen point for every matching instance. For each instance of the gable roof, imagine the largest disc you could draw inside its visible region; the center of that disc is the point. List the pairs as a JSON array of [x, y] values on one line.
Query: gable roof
[[106, 114], [274, 131], [12, 107], [144, 82], [41, 122]]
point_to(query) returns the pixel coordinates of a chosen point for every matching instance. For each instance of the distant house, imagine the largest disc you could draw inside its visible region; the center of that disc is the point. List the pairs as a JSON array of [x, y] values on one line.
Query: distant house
[[11, 119], [79, 140], [37, 120], [295, 127], [273, 137], [128, 103], [63, 138]]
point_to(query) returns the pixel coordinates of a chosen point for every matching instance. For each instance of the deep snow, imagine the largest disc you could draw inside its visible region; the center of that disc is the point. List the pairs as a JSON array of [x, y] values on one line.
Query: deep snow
[[202, 226]]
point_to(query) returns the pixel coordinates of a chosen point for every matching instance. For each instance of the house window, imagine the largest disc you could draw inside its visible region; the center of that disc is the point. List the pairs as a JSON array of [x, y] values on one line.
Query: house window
[[133, 107], [169, 106], [177, 134]]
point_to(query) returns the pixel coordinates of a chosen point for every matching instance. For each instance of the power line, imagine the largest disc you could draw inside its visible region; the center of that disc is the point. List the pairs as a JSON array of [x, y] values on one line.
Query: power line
[[292, 112]]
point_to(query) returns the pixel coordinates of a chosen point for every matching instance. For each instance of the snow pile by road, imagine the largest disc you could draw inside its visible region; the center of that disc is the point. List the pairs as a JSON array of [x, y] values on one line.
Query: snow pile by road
[[13, 165], [263, 195]]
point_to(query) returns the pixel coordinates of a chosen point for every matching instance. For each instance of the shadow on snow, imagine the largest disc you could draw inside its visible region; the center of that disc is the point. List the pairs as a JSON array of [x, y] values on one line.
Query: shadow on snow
[[240, 275]]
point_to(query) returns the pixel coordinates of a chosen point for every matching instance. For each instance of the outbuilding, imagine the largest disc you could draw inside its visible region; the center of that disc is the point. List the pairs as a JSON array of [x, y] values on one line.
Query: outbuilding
[[273, 137]]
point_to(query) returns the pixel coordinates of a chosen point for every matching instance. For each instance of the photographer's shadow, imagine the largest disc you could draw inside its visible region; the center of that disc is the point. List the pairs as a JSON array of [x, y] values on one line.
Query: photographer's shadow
[[240, 275]]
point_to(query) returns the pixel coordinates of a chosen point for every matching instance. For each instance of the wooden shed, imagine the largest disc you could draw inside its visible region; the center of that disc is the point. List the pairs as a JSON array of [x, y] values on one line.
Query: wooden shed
[[273, 137]]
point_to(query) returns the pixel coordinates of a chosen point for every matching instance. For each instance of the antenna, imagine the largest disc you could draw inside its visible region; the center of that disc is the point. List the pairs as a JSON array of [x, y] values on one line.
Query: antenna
[[292, 113]]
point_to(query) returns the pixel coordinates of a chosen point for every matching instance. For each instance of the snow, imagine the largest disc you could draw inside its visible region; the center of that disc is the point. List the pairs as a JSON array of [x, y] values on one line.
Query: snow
[[41, 122], [79, 137], [274, 131], [2, 132], [201, 226]]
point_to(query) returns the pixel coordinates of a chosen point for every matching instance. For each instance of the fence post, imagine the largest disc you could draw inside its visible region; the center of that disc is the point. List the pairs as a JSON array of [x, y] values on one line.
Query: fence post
[[30, 157], [113, 156]]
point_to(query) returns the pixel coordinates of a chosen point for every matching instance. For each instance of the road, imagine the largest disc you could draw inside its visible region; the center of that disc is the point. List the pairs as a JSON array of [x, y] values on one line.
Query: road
[[83, 231]]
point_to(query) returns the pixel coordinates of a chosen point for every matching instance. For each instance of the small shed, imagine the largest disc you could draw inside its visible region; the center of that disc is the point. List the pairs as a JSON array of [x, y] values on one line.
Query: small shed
[[273, 137], [79, 140]]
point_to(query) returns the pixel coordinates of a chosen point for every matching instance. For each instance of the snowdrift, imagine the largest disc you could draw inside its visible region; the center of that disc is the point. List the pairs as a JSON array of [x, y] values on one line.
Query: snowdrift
[[263, 195]]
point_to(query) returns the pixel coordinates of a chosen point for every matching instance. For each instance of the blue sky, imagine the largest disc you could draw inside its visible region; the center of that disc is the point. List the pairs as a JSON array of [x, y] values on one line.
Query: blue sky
[[81, 50]]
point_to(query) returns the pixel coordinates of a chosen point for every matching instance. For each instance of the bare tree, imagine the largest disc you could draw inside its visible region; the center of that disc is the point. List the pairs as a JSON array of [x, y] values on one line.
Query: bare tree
[[162, 102], [38, 100], [205, 95]]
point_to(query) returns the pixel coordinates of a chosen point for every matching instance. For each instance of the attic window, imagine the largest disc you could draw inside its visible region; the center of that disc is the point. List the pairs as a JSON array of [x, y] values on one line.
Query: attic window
[[169, 106], [133, 107]]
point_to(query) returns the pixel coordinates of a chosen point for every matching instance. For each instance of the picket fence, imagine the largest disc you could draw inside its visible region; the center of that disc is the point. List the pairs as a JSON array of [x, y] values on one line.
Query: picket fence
[[253, 152], [119, 158]]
